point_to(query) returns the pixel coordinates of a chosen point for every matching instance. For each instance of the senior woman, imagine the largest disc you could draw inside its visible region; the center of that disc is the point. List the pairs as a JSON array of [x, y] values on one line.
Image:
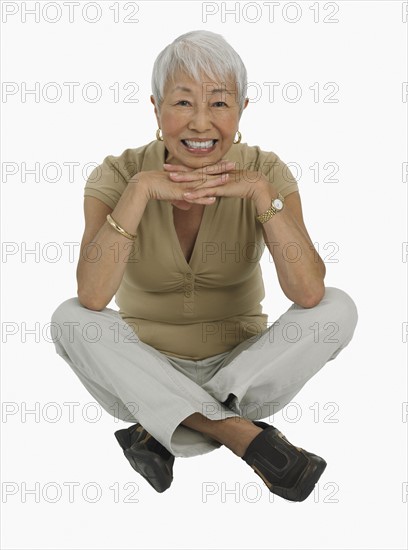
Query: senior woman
[[175, 230]]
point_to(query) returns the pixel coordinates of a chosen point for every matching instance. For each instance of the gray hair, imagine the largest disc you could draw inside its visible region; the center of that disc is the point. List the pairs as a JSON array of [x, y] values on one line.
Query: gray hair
[[199, 52]]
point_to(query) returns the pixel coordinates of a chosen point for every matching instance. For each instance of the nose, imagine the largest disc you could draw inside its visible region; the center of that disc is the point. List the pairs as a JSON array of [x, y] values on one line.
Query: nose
[[200, 119]]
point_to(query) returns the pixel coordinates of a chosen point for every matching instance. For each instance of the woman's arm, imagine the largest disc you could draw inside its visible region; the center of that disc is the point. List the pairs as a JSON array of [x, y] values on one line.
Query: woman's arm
[[299, 267], [104, 251]]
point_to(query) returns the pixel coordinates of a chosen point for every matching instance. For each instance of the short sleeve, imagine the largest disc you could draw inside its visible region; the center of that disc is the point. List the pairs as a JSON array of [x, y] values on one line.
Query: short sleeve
[[277, 173], [107, 182]]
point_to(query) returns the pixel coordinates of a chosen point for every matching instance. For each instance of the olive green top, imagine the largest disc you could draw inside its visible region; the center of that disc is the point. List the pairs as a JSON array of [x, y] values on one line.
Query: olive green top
[[210, 304]]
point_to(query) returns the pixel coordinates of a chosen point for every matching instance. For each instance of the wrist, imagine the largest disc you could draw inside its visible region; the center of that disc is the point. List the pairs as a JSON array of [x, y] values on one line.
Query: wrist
[[263, 196], [139, 188]]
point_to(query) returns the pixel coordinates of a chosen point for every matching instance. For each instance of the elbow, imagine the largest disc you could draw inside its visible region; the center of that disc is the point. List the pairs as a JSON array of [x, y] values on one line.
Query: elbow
[[312, 299], [90, 302], [310, 303]]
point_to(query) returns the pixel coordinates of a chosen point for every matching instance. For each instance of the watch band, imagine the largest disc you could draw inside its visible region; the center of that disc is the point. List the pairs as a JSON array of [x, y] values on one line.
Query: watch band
[[265, 216]]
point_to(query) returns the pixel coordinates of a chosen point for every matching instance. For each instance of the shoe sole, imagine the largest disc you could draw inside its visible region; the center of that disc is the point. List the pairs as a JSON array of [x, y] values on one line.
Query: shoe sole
[[305, 484], [149, 466]]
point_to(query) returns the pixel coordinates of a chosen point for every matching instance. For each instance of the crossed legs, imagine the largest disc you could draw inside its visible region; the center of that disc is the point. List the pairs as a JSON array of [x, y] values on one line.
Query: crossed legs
[[189, 419]]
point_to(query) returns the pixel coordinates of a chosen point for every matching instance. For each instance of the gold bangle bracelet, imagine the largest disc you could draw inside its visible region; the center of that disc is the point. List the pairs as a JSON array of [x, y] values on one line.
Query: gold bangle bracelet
[[120, 229]]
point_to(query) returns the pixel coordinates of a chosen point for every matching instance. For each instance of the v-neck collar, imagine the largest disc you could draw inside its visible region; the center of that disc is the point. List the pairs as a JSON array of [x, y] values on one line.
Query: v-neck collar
[[202, 234]]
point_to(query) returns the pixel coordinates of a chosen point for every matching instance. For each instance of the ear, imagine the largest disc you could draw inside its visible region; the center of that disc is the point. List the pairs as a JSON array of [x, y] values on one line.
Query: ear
[[244, 107], [155, 109]]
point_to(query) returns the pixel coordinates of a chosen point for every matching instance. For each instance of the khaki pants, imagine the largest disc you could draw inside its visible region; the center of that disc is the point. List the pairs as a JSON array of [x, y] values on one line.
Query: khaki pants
[[136, 383]]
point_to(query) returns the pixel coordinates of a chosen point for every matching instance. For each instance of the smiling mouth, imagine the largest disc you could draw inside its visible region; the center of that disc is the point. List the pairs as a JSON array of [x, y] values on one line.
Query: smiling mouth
[[196, 144]]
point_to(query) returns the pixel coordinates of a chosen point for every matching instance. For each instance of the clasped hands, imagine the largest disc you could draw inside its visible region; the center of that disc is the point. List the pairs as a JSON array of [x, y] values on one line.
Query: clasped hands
[[222, 179]]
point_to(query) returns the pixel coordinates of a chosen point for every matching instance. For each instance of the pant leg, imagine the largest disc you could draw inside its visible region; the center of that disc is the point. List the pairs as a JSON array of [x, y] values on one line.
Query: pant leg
[[265, 372], [131, 379]]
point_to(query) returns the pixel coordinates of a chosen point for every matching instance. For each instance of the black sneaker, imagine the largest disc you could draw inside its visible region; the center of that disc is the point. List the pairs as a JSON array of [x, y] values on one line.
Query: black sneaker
[[147, 456], [288, 471]]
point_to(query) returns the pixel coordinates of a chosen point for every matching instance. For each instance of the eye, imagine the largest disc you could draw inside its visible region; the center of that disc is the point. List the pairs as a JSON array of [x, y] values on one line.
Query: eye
[[182, 101], [220, 103]]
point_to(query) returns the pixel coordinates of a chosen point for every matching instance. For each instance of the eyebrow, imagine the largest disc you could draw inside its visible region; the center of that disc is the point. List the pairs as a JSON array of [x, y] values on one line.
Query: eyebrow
[[215, 91]]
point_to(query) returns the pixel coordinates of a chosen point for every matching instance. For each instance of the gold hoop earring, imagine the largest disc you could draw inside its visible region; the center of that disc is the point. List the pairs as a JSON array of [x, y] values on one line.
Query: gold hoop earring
[[158, 135], [239, 137]]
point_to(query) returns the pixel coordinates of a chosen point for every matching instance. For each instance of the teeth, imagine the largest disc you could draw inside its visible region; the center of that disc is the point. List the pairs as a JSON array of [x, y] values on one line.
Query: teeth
[[200, 144]]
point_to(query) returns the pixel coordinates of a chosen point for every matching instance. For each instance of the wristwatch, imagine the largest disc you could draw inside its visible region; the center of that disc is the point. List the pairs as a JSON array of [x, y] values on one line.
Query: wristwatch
[[276, 206]]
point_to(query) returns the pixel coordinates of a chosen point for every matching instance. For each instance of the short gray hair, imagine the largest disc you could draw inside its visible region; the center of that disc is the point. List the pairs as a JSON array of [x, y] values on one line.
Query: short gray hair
[[196, 52]]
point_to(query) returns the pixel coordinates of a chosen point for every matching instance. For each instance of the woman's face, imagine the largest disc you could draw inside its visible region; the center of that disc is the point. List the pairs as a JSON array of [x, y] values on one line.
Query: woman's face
[[204, 113]]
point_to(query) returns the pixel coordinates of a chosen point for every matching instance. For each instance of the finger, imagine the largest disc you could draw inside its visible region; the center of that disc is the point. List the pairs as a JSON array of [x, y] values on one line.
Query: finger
[[188, 176], [203, 200], [220, 180], [222, 167], [192, 181], [182, 176], [209, 169], [177, 168], [219, 167], [203, 193]]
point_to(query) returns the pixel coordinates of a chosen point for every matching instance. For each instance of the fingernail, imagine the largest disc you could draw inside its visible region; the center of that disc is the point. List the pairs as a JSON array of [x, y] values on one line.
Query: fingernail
[[187, 194]]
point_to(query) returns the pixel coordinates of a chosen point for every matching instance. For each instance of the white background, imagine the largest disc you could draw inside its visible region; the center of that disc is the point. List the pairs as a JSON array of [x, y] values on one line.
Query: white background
[[360, 500]]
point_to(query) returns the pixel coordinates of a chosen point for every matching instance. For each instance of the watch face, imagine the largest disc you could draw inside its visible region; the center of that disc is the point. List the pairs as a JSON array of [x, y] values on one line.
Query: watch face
[[278, 204]]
